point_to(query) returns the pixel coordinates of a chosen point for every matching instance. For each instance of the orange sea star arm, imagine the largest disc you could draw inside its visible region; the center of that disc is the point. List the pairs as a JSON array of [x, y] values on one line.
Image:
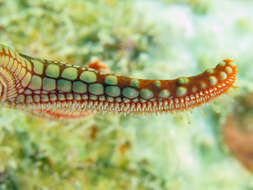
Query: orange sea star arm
[[64, 90]]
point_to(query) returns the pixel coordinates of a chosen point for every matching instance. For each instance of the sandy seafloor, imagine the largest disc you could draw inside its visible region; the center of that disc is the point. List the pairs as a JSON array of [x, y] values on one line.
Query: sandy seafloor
[[144, 39]]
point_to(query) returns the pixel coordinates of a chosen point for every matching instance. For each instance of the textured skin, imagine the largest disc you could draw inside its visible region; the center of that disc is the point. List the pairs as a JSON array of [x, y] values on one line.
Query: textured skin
[[48, 88]]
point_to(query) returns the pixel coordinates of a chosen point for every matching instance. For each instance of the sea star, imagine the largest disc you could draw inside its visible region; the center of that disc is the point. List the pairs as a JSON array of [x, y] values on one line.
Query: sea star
[[49, 88]]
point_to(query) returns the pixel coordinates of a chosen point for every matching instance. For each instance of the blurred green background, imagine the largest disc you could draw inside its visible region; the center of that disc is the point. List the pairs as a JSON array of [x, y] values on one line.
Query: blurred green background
[[151, 39]]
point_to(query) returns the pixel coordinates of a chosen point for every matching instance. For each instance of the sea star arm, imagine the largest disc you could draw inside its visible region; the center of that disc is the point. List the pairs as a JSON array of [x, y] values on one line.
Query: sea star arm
[[69, 91]]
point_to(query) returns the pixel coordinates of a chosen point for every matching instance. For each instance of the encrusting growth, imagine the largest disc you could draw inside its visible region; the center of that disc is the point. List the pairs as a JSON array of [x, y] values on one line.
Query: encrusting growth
[[49, 88]]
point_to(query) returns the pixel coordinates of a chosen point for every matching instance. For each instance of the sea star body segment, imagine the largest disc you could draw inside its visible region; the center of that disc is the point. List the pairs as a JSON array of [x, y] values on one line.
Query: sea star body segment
[[58, 90]]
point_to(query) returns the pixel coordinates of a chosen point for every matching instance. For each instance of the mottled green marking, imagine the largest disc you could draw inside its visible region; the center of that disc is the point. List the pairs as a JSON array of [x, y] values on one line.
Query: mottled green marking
[[126, 100], [92, 97], [118, 99], [101, 98], [210, 71], [44, 98], [77, 97], [20, 99], [29, 99], [53, 71], [97, 89], [61, 97], [110, 99], [64, 85], [69, 96], [222, 64], [35, 83], [36, 98], [213, 80], [181, 91], [146, 94], [113, 91], [69, 73], [111, 80], [164, 93], [49, 84], [228, 70], [183, 80], [158, 83], [135, 83], [130, 92], [38, 67], [28, 91], [223, 75], [53, 97], [88, 76], [85, 97], [79, 87]]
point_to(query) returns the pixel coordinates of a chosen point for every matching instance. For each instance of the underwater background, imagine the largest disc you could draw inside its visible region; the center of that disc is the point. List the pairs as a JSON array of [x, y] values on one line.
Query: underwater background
[[202, 148]]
